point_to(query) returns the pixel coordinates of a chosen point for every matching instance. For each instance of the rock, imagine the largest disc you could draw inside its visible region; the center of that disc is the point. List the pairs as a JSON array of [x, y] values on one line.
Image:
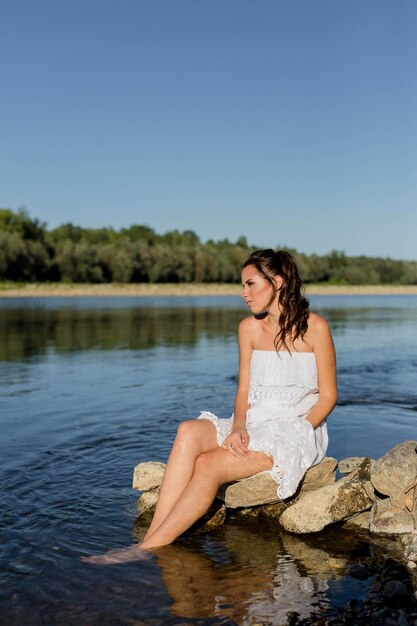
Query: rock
[[147, 501], [264, 511], [358, 521], [262, 488], [410, 546], [333, 503], [320, 475], [395, 473], [248, 492], [346, 466], [394, 588], [148, 475], [362, 472], [358, 570], [214, 518], [389, 520]]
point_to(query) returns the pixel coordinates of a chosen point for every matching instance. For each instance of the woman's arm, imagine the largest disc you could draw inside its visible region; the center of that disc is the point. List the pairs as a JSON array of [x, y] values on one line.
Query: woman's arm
[[324, 351], [238, 440], [245, 353]]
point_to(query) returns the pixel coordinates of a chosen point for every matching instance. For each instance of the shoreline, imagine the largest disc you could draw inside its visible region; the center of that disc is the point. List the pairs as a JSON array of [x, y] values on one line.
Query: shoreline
[[40, 290]]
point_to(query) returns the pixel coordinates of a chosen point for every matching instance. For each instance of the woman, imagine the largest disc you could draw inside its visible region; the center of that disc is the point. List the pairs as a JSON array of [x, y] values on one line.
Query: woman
[[287, 388]]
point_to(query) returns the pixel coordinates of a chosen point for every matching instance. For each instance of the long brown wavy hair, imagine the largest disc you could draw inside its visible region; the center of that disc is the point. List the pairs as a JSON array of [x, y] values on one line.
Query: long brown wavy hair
[[293, 320]]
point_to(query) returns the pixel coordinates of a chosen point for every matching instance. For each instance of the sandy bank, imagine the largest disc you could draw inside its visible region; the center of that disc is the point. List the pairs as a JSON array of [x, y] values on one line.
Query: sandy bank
[[58, 290]]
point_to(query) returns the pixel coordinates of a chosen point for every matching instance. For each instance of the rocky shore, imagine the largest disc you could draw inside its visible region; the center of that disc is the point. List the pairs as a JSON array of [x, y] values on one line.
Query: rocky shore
[[377, 497], [44, 290]]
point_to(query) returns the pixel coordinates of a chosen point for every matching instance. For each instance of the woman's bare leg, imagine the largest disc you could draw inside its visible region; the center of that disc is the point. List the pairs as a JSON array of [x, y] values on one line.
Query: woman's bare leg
[[212, 469], [193, 438]]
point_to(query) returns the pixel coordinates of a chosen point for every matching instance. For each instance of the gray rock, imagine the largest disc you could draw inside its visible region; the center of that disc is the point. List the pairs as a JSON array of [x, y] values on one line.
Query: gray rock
[[333, 503], [346, 466], [395, 473], [148, 475], [389, 520]]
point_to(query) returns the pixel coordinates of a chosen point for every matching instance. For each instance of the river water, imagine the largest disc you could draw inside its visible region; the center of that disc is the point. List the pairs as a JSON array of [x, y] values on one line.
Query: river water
[[90, 387]]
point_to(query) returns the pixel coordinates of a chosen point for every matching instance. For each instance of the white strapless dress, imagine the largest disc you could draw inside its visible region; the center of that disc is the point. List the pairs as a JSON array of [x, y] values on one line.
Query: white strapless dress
[[283, 389]]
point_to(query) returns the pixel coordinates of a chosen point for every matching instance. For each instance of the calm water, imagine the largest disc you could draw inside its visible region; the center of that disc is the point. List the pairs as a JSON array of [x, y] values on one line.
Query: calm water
[[91, 387]]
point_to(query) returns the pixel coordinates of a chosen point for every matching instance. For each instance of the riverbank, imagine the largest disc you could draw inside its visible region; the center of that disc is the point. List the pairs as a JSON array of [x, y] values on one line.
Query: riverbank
[[44, 290]]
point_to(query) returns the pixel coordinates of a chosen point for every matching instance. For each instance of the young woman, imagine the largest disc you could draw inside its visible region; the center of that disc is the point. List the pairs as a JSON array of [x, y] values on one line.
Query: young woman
[[287, 388]]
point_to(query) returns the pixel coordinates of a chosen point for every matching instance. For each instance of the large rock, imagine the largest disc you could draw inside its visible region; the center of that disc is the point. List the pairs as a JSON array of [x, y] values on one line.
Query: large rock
[[147, 476], [333, 503], [261, 489], [320, 475], [389, 520], [348, 465], [395, 473], [258, 489]]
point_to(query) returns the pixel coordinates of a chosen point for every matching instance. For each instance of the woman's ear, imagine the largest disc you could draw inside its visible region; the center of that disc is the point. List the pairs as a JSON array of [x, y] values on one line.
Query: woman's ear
[[278, 282]]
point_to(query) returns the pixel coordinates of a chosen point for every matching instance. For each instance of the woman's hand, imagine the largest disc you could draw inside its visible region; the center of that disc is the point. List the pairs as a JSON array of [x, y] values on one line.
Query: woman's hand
[[237, 443]]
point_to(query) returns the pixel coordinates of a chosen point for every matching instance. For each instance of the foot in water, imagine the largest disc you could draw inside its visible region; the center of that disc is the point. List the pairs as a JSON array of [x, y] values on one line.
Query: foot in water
[[124, 555]]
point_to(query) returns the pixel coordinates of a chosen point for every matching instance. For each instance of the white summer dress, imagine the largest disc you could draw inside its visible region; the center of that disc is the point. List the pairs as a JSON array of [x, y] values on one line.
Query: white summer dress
[[283, 389]]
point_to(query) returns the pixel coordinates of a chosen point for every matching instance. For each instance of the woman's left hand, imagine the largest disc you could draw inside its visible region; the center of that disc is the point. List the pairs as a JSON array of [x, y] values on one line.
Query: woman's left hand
[[237, 443]]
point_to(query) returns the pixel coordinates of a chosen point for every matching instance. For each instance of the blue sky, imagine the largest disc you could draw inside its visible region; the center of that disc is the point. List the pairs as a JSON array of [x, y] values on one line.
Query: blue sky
[[292, 122]]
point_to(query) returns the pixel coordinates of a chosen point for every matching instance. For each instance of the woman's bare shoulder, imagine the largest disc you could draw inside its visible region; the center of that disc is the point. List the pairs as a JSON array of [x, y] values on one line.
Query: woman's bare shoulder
[[248, 328], [318, 328], [317, 322], [249, 323]]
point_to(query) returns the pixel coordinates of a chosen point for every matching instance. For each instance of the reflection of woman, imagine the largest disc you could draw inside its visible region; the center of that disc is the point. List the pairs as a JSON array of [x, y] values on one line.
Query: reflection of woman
[[265, 590], [286, 390]]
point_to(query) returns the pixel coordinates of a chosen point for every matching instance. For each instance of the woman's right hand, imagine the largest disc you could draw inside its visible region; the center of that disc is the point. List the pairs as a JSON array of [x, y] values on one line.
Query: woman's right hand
[[237, 443]]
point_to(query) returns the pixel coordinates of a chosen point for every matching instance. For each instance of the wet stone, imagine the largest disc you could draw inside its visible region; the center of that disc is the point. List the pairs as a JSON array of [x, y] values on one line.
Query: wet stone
[[358, 570], [394, 588]]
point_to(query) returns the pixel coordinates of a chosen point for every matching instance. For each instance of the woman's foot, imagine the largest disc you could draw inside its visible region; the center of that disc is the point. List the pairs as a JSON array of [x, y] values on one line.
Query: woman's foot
[[113, 557]]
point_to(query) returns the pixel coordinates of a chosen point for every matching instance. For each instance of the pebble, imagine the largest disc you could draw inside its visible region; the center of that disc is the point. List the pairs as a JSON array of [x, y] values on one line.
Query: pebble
[[394, 588], [411, 564], [358, 570]]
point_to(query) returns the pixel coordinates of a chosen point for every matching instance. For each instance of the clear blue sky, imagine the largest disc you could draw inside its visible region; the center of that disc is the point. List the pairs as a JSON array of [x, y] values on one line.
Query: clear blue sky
[[292, 122]]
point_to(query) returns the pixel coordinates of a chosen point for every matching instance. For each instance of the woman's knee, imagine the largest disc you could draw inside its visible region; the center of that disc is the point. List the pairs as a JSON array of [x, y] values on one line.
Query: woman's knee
[[188, 433], [195, 432]]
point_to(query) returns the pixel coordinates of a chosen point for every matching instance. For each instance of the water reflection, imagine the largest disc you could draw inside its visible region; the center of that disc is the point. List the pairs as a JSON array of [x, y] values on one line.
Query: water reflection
[[27, 333], [34, 328], [254, 573]]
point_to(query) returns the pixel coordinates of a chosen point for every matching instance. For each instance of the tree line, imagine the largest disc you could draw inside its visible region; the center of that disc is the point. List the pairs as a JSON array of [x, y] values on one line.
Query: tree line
[[30, 252]]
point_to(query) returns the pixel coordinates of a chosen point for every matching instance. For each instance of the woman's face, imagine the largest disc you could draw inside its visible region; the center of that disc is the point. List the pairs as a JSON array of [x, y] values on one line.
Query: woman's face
[[257, 291]]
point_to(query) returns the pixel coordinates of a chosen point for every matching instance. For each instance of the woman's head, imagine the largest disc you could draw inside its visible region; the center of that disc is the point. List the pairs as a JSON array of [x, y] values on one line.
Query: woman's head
[[270, 276]]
